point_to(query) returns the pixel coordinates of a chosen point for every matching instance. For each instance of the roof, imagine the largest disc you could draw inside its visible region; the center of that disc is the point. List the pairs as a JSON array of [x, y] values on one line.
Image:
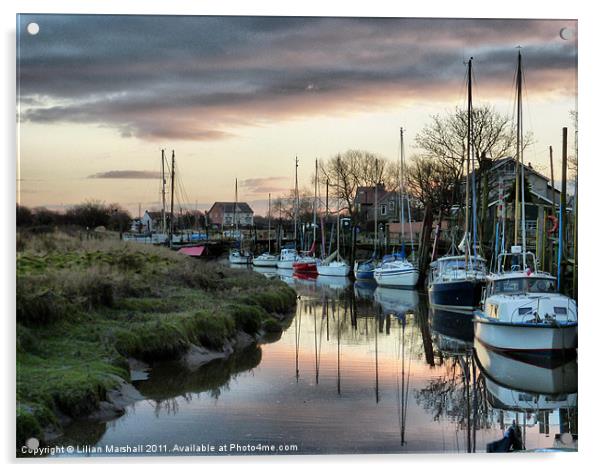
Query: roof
[[229, 207], [195, 251], [154, 214], [505, 160], [365, 194]]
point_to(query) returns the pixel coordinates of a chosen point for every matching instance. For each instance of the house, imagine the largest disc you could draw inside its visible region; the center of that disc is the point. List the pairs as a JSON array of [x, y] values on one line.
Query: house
[[387, 205], [152, 221], [223, 214], [540, 196]]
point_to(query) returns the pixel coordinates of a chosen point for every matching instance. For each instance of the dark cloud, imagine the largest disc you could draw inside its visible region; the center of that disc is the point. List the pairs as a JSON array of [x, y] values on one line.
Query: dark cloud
[[199, 78], [126, 174]]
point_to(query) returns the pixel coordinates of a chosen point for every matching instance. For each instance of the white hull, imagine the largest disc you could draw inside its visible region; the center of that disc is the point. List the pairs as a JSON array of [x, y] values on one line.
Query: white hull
[[239, 259], [333, 270], [287, 264], [407, 278], [265, 261], [525, 337]]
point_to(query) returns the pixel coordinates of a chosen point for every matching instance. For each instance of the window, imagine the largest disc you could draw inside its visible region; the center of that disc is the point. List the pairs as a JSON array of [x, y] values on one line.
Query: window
[[383, 209], [391, 205]]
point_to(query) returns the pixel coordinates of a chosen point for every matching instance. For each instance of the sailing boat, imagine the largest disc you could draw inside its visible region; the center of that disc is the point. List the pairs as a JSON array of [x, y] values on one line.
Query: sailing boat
[[365, 269], [289, 255], [306, 262], [395, 270], [334, 265], [523, 311], [456, 282], [267, 259], [237, 256]]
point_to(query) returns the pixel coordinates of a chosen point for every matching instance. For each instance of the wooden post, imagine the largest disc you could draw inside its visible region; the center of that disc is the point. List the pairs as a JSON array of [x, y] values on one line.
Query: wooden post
[[562, 223], [575, 279]]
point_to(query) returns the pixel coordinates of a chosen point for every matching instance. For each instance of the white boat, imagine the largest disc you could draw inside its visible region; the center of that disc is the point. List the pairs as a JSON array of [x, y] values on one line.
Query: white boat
[[396, 271], [523, 311], [287, 258], [237, 257], [265, 260], [333, 269]]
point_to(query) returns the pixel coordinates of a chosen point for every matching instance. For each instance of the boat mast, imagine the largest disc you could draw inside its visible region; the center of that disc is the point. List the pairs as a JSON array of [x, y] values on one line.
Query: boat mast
[[467, 184], [338, 217], [315, 203], [519, 161], [516, 164], [173, 177], [401, 212], [375, 207], [236, 203], [296, 200], [269, 223], [471, 154], [163, 191]]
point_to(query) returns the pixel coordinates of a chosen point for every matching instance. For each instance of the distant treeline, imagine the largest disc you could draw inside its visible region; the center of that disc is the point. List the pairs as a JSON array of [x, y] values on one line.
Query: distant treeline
[[90, 215]]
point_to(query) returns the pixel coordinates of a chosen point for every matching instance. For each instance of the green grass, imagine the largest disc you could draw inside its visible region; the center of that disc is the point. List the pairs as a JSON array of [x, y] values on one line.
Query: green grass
[[85, 306]]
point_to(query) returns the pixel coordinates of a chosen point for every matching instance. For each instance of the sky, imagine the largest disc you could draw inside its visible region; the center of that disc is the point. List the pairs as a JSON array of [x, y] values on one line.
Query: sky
[[240, 97]]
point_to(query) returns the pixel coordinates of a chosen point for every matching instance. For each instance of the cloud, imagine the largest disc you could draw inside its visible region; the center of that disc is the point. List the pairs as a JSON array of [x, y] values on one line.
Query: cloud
[[126, 174], [202, 78], [265, 185]]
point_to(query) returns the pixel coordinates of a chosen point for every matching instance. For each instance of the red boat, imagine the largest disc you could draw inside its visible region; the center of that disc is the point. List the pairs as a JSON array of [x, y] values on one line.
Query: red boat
[[306, 263]]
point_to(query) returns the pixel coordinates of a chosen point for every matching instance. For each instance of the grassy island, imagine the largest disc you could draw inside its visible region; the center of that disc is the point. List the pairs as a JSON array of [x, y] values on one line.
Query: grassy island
[[87, 305]]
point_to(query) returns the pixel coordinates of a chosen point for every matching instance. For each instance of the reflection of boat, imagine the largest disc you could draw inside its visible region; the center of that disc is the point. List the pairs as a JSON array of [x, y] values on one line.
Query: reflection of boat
[[333, 282], [452, 324], [286, 275], [453, 284], [514, 373], [269, 272], [397, 302], [364, 289]]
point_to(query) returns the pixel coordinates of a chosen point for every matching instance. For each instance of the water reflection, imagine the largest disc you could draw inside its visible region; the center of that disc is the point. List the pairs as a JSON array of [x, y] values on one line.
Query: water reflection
[[360, 369]]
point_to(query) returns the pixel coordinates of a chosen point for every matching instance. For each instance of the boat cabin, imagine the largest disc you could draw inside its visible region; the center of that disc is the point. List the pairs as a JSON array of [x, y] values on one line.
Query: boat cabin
[[455, 267]]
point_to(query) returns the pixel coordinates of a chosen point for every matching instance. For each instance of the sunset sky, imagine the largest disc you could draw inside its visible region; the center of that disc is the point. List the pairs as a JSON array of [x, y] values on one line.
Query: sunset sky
[[100, 96]]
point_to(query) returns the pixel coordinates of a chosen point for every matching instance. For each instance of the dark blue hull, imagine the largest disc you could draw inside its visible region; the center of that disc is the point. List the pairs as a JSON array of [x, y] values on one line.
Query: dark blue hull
[[462, 295]]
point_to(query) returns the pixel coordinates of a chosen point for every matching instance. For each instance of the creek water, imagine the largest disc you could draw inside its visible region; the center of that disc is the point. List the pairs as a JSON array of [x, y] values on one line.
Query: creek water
[[360, 369]]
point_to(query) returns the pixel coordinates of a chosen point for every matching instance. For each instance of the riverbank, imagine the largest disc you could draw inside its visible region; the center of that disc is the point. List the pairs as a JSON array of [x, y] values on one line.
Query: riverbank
[[92, 311]]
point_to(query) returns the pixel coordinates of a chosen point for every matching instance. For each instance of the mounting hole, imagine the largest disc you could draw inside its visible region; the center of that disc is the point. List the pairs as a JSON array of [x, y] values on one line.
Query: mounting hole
[[33, 28], [567, 34]]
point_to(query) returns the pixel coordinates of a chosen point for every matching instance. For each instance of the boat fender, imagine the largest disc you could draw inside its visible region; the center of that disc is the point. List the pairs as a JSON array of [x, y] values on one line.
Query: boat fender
[[554, 227]]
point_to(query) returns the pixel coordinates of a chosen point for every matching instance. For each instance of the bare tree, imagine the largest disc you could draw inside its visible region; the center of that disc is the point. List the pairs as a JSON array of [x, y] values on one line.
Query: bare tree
[[445, 137], [346, 172]]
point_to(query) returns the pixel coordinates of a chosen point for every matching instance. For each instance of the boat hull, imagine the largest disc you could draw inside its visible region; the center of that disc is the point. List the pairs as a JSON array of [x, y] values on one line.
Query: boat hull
[[525, 338], [265, 262], [463, 295], [333, 270], [305, 268], [404, 278], [239, 259], [286, 264], [363, 271]]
